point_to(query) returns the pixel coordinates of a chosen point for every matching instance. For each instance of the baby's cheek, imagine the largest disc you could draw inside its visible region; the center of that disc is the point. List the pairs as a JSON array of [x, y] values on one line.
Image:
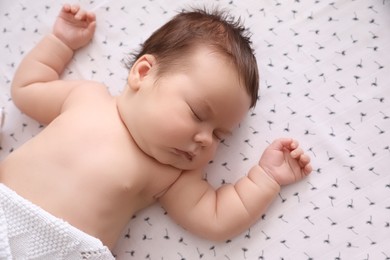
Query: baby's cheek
[[213, 150]]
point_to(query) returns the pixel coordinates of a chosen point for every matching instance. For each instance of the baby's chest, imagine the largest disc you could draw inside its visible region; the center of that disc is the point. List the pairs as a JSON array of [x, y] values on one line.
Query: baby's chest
[[151, 179], [127, 169], [104, 151]]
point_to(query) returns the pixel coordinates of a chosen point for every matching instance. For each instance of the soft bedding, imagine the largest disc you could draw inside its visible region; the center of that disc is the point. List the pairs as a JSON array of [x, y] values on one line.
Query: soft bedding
[[325, 78]]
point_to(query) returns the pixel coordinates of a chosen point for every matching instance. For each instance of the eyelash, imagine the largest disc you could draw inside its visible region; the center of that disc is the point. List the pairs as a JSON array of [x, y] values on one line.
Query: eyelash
[[200, 120], [218, 137], [195, 114]]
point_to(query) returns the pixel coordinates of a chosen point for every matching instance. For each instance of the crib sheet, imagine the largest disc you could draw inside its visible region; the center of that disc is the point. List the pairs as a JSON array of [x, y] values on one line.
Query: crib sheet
[[325, 79]]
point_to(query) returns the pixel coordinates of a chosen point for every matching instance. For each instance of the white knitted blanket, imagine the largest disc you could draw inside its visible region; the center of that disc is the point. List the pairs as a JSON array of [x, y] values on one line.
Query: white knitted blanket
[[29, 232]]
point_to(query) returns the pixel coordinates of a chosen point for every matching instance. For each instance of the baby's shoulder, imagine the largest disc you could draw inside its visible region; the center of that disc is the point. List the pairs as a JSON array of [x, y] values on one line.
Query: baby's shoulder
[[90, 87], [87, 91]]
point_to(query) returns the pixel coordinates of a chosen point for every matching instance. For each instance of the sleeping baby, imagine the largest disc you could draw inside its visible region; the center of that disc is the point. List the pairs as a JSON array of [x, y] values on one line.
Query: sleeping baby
[[69, 191]]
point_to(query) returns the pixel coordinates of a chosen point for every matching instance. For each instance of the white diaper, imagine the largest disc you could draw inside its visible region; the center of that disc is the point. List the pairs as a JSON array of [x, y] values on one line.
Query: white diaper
[[29, 232]]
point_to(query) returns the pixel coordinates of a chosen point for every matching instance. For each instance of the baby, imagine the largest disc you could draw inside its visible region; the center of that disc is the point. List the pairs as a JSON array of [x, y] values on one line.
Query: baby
[[102, 158]]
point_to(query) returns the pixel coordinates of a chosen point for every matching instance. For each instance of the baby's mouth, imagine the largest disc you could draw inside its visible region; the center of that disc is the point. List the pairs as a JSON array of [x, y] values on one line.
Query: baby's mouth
[[187, 155]]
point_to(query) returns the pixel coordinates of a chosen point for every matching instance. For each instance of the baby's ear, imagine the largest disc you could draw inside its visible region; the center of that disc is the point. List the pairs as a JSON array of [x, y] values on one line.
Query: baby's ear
[[140, 70]]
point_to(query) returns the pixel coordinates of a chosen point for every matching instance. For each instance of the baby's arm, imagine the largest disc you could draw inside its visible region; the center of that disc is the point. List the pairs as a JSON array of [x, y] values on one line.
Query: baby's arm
[[36, 89], [223, 213]]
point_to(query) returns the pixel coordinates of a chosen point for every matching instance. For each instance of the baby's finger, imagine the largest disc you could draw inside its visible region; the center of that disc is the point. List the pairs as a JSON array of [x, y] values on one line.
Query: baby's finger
[[74, 8], [296, 153], [304, 160], [66, 8], [91, 27], [80, 15], [308, 169], [91, 16], [294, 144], [281, 144]]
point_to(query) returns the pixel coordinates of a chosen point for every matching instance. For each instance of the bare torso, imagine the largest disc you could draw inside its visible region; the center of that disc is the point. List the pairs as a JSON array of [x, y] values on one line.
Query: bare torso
[[86, 169]]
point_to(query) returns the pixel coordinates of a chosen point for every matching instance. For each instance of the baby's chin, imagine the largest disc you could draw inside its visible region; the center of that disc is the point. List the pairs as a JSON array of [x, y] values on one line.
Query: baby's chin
[[189, 165], [179, 161]]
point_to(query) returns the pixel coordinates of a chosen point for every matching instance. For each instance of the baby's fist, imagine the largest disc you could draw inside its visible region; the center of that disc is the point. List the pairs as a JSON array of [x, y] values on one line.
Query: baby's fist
[[74, 26], [285, 161]]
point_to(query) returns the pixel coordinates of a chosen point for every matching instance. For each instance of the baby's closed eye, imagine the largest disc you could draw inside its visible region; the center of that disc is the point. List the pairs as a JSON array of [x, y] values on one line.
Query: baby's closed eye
[[196, 114]]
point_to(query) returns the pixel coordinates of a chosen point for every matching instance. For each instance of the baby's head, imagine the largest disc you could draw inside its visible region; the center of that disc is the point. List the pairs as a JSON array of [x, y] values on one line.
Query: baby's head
[[173, 42], [190, 85]]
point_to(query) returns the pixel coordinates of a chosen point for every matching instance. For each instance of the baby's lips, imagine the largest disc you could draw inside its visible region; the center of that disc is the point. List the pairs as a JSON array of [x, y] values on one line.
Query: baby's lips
[[188, 155]]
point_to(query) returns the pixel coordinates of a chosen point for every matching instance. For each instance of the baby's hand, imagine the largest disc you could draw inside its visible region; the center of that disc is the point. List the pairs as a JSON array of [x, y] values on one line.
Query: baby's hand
[[285, 161], [74, 26]]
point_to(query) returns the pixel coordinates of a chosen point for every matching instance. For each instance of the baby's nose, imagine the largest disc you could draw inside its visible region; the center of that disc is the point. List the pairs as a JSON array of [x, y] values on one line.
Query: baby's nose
[[204, 138]]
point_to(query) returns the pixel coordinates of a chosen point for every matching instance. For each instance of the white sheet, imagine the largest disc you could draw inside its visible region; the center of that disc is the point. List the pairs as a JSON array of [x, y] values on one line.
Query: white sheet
[[324, 68]]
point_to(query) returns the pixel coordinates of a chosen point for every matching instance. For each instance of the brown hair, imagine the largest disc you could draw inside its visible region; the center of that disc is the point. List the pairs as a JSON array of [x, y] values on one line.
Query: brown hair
[[216, 29]]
